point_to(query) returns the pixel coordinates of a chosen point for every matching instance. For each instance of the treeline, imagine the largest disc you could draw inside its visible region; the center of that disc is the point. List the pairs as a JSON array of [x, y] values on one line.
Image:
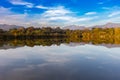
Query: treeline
[[48, 32], [32, 32], [49, 36]]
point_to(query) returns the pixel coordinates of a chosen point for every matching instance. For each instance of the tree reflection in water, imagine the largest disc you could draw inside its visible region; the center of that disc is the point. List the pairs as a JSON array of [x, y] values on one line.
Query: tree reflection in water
[[10, 43]]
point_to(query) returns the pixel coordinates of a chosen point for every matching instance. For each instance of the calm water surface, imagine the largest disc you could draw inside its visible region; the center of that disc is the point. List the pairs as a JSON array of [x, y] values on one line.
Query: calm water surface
[[63, 62]]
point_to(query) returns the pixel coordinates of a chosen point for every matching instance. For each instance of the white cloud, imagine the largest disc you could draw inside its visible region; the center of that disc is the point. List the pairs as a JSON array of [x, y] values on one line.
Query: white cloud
[[56, 11], [84, 19], [9, 17], [103, 2], [113, 8], [17, 19], [114, 14], [4, 11], [103, 20], [105, 8], [42, 7], [58, 16], [110, 14], [90, 13], [100, 3], [20, 2], [63, 14]]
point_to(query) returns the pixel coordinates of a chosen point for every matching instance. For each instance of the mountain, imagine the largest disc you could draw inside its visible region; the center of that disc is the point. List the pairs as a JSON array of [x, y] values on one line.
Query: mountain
[[71, 27], [7, 27], [74, 27], [6, 46], [73, 44], [108, 25], [111, 25]]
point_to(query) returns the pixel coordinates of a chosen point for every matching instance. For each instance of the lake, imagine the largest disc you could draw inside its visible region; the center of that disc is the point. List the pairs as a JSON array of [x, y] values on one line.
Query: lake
[[62, 61]]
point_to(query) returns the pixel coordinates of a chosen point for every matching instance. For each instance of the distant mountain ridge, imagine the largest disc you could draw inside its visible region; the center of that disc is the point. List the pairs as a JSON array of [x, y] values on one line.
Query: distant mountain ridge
[[108, 25], [7, 27], [71, 27], [74, 27]]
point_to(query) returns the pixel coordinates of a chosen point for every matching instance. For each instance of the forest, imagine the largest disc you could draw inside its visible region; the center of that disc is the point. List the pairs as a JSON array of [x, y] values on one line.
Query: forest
[[48, 35]]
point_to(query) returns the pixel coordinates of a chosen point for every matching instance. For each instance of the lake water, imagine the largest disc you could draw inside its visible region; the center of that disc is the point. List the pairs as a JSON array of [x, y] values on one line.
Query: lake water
[[73, 61]]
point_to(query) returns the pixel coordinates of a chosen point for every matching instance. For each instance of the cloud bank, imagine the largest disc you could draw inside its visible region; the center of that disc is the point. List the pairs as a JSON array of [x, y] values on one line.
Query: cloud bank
[[55, 15]]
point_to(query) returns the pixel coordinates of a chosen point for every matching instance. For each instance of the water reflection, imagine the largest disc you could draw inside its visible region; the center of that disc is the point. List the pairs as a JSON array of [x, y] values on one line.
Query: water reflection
[[14, 43], [53, 62]]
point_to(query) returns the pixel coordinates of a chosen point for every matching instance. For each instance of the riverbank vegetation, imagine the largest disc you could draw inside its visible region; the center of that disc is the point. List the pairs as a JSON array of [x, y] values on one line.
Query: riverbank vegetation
[[48, 32], [48, 36]]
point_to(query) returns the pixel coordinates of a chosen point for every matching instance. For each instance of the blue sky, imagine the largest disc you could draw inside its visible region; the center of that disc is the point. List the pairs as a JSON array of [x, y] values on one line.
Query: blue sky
[[59, 12]]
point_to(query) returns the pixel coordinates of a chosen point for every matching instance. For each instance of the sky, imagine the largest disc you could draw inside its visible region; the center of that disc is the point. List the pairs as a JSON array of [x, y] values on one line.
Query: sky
[[59, 12]]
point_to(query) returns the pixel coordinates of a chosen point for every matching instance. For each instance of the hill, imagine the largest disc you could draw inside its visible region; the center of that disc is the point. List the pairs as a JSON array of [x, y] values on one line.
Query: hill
[[6, 27]]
